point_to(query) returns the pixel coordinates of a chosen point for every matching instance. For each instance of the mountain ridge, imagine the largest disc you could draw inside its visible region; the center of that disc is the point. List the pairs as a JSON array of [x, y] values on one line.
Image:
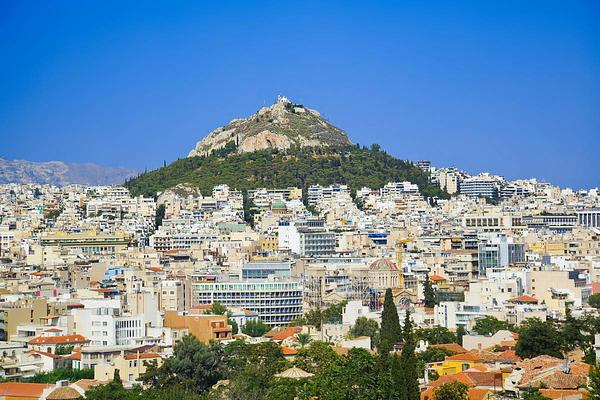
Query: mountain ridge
[[61, 173]]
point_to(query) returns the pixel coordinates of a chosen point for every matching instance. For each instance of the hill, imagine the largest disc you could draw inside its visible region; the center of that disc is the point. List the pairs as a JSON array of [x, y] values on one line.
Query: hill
[[60, 173], [273, 168], [280, 126]]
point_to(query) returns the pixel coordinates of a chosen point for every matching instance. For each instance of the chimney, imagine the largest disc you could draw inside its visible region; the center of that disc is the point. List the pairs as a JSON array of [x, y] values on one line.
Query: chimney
[[565, 366]]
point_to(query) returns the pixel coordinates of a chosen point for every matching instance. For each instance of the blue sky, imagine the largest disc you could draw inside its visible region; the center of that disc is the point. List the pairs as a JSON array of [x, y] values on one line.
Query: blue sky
[[512, 87]]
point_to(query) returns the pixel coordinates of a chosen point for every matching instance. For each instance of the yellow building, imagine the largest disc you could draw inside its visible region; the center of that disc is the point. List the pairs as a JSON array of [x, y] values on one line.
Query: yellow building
[[550, 249], [269, 244], [456, 363]]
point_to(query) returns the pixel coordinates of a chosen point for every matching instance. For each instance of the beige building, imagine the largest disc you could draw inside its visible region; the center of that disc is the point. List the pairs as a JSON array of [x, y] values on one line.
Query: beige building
[[130, 366], [557, 290], [30, 311], [204, 327]]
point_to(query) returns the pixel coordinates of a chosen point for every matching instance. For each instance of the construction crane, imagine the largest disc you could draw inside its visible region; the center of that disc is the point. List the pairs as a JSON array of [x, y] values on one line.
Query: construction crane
[[399, 255]]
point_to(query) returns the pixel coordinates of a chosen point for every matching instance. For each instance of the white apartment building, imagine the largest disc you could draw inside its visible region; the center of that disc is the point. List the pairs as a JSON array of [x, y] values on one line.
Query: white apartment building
[[100, 322], [276, 302], [483, 185]]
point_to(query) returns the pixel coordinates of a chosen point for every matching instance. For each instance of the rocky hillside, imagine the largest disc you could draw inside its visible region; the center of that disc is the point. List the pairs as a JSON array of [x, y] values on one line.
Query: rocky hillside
[[279, 126], [60, 173]]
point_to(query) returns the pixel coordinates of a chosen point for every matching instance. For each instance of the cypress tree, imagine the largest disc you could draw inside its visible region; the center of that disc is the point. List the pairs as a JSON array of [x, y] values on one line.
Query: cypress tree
[[409, 390], [460, 332], [390, 332], [428, 293]]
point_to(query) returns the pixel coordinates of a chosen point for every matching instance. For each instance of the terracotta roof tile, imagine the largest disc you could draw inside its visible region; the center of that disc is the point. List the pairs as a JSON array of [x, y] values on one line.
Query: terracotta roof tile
[[141, 356], [524, 299], [455, 347], [21, 389], [66, 339], [288, 351]]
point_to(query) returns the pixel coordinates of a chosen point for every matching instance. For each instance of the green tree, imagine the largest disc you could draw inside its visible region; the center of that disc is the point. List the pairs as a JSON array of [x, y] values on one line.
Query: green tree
[[390, 332], [594, 300], [160, 215], [489, 325], [594, 383], [451, 391], [436, 335], [572, 333], [366, 327], [59, 374], [194, 365], [216, 308], [429, 293], [318, 358], [113, 390], [63, 350], [460, 332], [434, 354], [255, 328], [250, 380], [537, 337], [303, 339], [408, 375], [300, 167]]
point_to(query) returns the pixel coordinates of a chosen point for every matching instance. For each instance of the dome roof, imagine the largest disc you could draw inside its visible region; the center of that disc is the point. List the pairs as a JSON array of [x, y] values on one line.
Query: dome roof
[[383, 264], [64, 393], [294, 373], [278, 204]]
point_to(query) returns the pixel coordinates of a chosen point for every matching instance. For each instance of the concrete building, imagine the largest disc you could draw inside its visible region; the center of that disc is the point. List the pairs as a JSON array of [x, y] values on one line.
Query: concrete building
[[204, 327], [276, 302]]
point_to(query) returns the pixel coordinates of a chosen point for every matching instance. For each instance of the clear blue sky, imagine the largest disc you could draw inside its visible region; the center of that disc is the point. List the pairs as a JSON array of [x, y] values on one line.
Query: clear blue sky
[[512, 87]]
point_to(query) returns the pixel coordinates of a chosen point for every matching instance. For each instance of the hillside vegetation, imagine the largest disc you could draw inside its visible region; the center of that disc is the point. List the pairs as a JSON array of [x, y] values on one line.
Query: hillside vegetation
[[272, 168]]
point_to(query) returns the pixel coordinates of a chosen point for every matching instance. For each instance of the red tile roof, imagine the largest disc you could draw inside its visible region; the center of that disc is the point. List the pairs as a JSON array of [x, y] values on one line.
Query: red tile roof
[[44, 353], [470, 356], [524, 299], [477, 394], [454, 347], [564, 394], [141, 356], [284, 333], [288, 351], [21, 389], [508, 356], [66, 339], [437, 278], [548, 371]]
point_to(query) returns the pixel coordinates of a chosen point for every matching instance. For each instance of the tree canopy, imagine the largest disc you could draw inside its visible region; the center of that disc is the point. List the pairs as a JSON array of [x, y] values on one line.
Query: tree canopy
[[301, 167]]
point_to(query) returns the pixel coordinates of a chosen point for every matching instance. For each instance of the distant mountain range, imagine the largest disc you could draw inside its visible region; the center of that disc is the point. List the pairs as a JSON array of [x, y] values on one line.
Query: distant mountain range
[[60, 173]]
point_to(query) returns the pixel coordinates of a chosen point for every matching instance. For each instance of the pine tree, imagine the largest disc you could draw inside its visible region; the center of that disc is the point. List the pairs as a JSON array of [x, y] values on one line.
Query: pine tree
[[390, 332], [428, 293], [408, 362]]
